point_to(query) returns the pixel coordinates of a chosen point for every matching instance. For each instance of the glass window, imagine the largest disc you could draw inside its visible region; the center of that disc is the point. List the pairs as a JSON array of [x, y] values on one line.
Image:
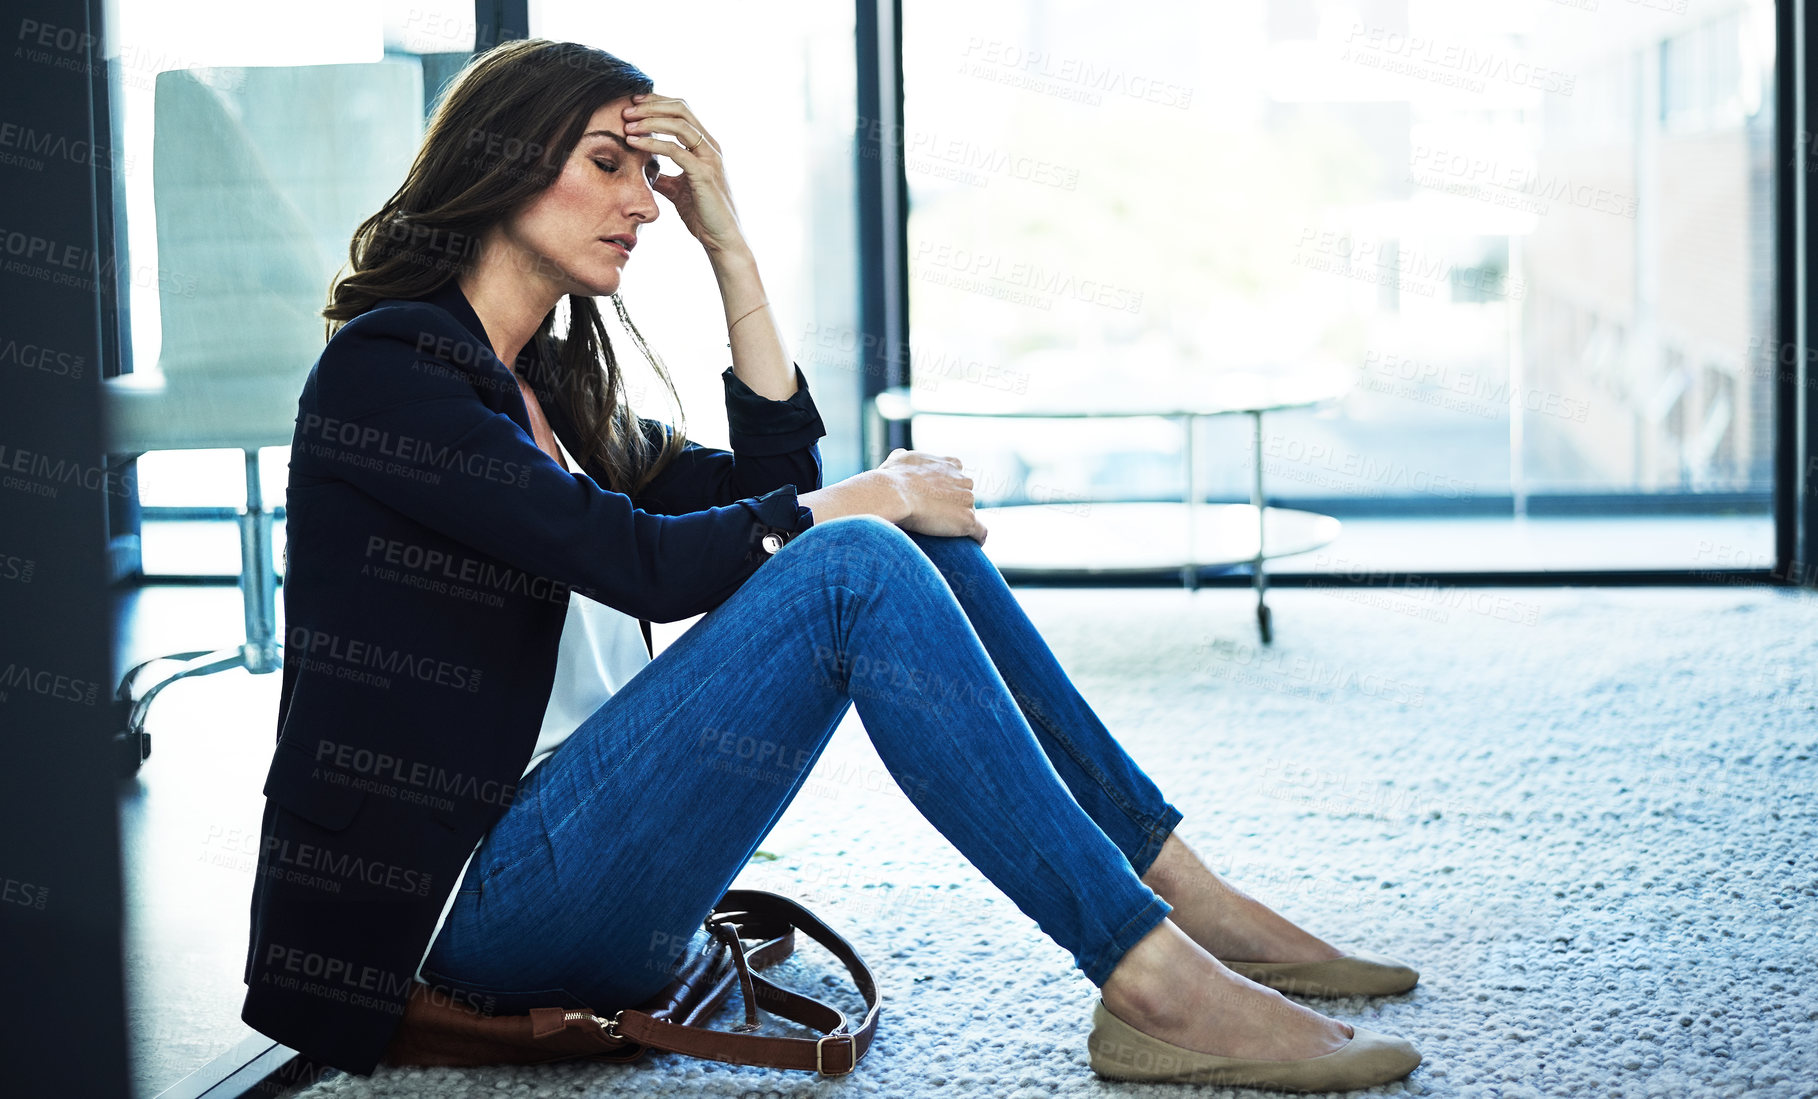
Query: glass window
[[1538, 239]]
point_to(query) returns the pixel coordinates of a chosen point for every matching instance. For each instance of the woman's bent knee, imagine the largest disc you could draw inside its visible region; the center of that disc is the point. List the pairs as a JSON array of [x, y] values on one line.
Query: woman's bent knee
[[856, 550], [863, 525], [866, 534]]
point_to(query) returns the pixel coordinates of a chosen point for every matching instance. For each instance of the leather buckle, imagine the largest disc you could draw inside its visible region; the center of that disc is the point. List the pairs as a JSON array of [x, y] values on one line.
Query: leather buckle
[[851, 1055]]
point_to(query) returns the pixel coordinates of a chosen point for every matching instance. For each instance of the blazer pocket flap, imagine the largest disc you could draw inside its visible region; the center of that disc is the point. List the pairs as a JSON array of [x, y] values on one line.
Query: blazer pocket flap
[[319, 794]]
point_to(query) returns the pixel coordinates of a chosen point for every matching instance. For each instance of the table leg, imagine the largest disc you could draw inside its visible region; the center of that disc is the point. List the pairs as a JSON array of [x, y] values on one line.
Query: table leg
[[1190, 573], [1260, 578]]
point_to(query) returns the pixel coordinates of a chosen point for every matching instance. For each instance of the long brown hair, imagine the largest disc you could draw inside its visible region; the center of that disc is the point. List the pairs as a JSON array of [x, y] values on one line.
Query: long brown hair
[[501, 133]]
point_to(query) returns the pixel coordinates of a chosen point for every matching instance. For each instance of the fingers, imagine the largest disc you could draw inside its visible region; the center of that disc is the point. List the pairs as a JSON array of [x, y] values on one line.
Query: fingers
[[643, 135], [674, 116]]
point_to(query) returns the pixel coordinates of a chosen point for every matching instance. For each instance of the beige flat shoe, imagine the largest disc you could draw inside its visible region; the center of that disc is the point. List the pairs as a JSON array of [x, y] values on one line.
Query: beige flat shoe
[[1362, 974], [1118, 1051]]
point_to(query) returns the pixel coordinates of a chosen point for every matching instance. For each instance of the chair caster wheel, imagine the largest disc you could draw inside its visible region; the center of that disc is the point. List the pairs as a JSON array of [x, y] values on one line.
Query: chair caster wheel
[[132, 748]]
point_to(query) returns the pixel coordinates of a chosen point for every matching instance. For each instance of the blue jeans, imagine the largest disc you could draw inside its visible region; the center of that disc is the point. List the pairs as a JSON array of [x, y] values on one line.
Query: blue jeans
[[596, 879]]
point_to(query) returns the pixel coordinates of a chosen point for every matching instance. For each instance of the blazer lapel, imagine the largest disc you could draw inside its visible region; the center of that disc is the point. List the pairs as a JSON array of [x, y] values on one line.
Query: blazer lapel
[[498, 385]]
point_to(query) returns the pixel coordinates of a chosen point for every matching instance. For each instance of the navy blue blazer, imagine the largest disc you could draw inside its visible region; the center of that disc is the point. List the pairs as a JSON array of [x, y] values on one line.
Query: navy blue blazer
[[431, 550]]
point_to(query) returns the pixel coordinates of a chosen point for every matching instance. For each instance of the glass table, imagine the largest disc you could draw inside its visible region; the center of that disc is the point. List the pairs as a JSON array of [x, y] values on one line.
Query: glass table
[[1121, 538]]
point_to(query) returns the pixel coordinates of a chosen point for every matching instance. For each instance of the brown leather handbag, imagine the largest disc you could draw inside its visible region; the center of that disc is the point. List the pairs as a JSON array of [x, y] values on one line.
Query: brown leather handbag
[[435, 1031]]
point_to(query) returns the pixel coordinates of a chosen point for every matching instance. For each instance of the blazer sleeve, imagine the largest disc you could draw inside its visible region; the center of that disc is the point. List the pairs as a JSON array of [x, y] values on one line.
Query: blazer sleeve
[[774, 443], [416, 434]]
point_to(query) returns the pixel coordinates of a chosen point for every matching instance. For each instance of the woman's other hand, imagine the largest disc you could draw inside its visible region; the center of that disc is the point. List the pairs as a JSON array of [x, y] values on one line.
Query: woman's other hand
[[700, 193], [938, 494]]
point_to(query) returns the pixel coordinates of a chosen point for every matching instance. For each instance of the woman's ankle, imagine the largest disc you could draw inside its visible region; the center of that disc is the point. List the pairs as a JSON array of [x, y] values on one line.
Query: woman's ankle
[[1151, 980], [1164, 869], [1224, 920]]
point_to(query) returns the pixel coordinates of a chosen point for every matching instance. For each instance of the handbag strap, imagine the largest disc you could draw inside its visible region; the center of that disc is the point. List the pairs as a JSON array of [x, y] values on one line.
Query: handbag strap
[[725, 928], [758, 913]]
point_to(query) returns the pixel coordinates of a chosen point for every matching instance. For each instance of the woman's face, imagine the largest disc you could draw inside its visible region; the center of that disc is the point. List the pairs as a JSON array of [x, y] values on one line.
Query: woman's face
[[565, 233]]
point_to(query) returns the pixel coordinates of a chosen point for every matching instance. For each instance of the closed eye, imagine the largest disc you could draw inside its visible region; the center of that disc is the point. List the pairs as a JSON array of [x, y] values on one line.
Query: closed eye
[[650, 172]]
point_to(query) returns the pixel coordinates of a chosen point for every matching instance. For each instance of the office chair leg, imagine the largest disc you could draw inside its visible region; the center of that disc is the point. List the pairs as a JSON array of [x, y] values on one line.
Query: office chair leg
[[258, 579], [258, 654], [135, 742]]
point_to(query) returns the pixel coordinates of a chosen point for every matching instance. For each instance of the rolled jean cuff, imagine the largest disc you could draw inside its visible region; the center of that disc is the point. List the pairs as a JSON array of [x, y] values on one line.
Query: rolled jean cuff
[[1164, 825], [1098, 967]]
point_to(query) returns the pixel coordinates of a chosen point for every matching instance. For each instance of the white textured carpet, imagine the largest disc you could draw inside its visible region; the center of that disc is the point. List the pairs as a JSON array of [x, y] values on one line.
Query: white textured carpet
[[1586, 815]]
